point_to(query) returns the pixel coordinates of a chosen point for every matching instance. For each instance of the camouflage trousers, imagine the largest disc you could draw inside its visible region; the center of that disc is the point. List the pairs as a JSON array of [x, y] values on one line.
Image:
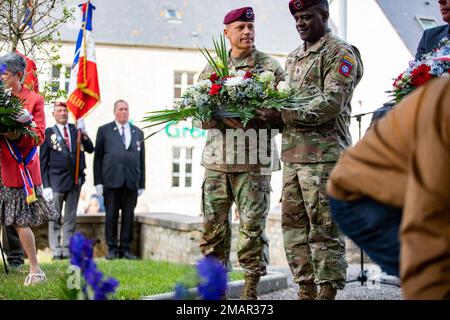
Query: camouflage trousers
[[251, 193], [314, 245]]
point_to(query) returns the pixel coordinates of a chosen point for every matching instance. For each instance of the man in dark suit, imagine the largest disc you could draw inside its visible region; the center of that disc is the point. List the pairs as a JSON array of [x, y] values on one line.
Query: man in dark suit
[[119, 174], [431, 37], [58, 166], [11, 246]]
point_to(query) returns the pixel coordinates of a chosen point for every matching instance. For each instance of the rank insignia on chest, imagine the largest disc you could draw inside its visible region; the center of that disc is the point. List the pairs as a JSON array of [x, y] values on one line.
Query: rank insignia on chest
[[346, 66]]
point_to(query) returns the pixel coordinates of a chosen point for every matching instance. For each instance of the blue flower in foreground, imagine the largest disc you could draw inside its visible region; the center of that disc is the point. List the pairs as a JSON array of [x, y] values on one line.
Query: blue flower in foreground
[[2, 68], [82, 253], [81, 250], [213, 278], [105, 288], [181, 292]]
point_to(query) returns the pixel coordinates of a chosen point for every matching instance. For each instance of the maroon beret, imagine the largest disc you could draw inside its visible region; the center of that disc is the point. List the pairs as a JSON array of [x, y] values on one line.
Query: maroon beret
[[242, 14], [299, 5], [60, 104]]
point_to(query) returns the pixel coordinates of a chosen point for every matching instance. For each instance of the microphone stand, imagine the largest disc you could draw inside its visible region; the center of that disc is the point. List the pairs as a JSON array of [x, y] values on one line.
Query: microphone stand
[[362, 276]]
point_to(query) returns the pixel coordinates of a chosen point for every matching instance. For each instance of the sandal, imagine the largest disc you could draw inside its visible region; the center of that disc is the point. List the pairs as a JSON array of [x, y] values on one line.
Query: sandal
[[39, 277]]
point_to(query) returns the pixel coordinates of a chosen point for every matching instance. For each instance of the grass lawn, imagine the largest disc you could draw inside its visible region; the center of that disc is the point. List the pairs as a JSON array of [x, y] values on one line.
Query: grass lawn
[[136, 279]]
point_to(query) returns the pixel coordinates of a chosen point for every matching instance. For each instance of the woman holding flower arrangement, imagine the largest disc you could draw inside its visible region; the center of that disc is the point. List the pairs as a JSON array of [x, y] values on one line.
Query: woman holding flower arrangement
[[232, 174], [22, 204]]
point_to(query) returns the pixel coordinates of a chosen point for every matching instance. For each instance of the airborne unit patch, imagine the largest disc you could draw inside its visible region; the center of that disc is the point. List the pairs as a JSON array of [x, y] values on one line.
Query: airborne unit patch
[[346, 66]]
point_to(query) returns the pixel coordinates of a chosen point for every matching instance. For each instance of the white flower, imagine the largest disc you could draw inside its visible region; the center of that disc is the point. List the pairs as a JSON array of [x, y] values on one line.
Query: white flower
[[282, 86], [204, 84], [241, 73], [24, 116], [234, 81], [267, 77]]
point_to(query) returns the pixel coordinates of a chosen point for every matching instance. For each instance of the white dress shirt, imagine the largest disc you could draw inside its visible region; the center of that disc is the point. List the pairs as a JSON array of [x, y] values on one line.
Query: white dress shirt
[[127, 131]]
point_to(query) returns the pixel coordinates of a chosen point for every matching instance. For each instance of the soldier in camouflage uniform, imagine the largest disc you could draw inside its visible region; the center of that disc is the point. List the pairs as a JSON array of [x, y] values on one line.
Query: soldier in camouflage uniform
[[230, 177], [325, 70]]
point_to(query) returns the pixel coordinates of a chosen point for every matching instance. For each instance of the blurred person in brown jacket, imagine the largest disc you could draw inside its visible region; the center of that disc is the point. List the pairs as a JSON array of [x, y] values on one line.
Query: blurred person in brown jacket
[[391, 192]]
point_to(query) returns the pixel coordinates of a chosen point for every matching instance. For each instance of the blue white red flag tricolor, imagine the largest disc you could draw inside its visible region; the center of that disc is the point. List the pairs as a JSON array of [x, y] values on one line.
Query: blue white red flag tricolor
[[28, 185], [84, 91]]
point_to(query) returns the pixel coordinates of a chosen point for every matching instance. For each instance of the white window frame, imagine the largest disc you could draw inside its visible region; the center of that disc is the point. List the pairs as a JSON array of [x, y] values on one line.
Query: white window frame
[[172, 15], [63, 80], [421, 19], [184, 82], [182, 161]]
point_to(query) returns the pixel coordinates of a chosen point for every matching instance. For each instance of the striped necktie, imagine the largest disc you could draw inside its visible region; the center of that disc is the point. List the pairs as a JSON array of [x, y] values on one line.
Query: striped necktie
[[66, 138]]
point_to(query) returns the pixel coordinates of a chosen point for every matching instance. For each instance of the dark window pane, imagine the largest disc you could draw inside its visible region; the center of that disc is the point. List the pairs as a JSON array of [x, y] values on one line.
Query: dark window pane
[[55, 86], [176, 153], [67, 73], [67, 86], [189, 153], [176, 167], [171, 13], [175, 181], [55, 72], [191, 78], [188, 168], [177, 93], [188, 182], [178, 77]]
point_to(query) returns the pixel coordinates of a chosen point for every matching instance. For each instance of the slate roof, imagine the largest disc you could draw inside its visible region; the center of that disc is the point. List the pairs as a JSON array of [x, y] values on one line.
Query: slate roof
[[403, 14], [144, 22]]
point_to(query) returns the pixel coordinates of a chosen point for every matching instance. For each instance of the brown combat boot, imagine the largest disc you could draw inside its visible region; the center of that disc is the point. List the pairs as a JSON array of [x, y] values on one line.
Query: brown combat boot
[[307, 292], [327, 292], [249, 290]]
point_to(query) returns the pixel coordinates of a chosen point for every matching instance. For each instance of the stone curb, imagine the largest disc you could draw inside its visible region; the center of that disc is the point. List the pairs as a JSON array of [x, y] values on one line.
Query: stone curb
[[271, 282]]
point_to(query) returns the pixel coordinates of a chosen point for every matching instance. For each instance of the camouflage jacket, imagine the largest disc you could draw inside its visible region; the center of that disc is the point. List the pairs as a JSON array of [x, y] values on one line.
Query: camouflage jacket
[[316, 127], [215, 154]]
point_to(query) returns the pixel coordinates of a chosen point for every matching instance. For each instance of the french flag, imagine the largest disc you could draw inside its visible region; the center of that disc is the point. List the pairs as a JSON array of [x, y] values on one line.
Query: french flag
[[84, 91]]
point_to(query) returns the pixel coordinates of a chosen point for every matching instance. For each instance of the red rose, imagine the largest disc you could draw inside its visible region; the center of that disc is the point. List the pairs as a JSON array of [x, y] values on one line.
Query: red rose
[[213, 78], [396, 80], [215, 89], [248, 75], [420, 75]]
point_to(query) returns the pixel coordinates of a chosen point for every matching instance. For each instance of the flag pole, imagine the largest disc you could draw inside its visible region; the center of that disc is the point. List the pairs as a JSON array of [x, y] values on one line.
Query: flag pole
[[77, 163]]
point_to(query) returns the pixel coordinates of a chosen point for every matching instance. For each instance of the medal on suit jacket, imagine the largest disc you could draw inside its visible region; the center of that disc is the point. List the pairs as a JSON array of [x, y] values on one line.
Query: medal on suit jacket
[[58, 141], [138, 145], [28, 186], [54, 142]]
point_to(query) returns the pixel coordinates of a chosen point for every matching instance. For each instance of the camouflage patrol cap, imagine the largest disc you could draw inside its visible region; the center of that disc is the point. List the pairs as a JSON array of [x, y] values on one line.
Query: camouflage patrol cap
[[245, 14], [299, 5]]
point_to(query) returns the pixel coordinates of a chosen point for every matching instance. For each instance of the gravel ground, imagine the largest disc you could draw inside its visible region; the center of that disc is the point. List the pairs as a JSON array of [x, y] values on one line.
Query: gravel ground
[[352, 291]]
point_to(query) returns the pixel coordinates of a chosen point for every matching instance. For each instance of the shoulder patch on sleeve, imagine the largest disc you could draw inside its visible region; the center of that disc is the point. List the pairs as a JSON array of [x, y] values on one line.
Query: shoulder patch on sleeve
[[346, 65]]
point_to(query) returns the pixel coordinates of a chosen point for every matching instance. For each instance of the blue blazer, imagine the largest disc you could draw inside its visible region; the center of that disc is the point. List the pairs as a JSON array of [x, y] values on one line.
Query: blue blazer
[[58, 162], [431, 38]]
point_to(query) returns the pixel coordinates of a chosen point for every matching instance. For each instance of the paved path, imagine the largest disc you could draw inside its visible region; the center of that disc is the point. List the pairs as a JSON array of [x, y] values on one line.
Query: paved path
[[352, 291]]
